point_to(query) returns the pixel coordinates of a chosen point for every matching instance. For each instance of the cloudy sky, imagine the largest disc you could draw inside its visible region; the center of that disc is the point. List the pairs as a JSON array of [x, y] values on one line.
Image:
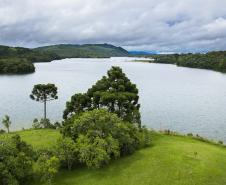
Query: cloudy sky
[[160, 25]]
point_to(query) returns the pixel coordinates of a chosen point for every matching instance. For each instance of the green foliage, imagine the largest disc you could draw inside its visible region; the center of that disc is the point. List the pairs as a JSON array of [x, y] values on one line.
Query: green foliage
[[212, 60], [15, 161], [101, 136], [48, 167], [85, 51], [114, 92], [16, 65], [43, 93], [6, 122], [93, 152], [67, 152]]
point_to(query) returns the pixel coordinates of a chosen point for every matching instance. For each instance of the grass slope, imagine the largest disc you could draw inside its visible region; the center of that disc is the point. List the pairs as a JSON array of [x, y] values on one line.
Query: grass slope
[[172, 160], [39, 139]]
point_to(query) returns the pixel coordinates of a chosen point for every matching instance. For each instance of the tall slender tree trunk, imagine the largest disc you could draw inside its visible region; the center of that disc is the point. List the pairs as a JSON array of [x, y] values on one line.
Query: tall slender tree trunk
[[8, 129], [45, 110]]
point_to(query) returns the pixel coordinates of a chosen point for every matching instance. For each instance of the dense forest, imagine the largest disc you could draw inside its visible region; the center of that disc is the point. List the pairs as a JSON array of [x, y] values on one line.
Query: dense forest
[[20, 60], [85, 51], [213, 60]]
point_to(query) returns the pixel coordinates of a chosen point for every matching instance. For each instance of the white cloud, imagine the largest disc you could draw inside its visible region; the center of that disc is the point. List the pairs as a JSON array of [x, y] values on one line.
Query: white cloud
[[163, 25]]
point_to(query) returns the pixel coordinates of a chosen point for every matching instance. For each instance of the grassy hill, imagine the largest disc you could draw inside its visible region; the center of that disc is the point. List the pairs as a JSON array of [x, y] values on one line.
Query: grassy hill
[[172, 160], [85, 51]]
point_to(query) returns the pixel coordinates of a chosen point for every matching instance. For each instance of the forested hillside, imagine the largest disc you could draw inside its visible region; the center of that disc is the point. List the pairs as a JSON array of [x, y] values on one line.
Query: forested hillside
[[85, 51], [213, 60]]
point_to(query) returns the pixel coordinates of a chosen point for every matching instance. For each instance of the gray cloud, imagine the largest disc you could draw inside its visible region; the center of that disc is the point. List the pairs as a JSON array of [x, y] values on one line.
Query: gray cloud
[[162, 25]]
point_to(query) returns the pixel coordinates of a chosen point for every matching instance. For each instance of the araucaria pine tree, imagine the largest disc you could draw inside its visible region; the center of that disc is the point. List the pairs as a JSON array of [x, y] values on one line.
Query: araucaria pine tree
[[43, 93]]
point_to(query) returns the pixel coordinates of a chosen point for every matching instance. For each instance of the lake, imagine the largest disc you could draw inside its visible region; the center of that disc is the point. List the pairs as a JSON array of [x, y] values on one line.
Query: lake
[[176, 98]]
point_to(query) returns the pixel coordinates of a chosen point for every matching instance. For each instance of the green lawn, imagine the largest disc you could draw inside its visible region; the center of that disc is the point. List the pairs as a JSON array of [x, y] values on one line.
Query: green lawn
[[172, 160], [39, 139]]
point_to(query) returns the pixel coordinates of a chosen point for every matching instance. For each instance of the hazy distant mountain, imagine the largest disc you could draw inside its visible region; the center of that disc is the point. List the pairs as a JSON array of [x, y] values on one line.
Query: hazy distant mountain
[[143, 52], [85, 51]]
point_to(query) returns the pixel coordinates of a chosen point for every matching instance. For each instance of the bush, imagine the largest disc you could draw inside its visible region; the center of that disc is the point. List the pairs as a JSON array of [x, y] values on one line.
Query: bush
[[101, 136], [15, 161], [48, 167], [66, 151]]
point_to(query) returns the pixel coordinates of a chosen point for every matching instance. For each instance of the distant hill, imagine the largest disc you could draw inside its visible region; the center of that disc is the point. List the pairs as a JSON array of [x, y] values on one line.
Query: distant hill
[[20, 60], [142, 52], [85, 51], [26, 53]]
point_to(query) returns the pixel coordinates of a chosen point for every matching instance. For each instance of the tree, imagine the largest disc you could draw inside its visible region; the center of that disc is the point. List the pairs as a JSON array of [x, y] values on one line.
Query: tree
[[43, 93], [113, 92], [6, 122], [48, 167], [79, 103], [67, 151]]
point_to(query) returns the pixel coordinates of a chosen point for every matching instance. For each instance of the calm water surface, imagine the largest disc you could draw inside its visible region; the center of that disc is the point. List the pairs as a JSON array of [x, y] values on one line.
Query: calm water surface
[[176, 98]]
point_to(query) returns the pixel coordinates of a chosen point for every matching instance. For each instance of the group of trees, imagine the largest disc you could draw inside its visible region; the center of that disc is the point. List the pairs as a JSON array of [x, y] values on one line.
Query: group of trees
[[114, 92], [16, 65], [99, 126], [212, 60]]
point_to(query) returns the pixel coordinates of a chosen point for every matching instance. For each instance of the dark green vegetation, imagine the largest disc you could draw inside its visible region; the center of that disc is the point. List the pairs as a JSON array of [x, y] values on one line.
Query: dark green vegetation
[[114, 92], [20, 60], [85, 51], [171, 160], [212, 60], [16, 66]]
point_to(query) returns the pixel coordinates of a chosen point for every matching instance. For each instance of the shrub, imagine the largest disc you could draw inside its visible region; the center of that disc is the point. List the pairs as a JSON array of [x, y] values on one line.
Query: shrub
[[101, 136], [15, 161], [48, 167], [66, 151]]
